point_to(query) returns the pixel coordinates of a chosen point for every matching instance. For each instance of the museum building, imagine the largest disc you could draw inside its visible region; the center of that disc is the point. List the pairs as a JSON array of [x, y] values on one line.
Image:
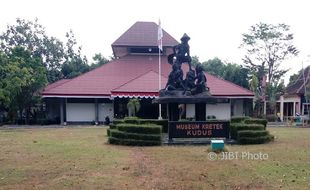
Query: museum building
[[134, 73]]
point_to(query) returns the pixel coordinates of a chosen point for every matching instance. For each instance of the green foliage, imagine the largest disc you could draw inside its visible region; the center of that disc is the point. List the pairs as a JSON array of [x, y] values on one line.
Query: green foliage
[[238, 119], [214, 67], [229, 71], [266, 47], [23, 77], [132, 120], [235, 127], [256, 121], [255, 140], [112, 126], [132, 142], [136, 136], [60, 60], [251, 133], [133, 106], [162, 122], [99, 60], [143, 129], [31, 36], [108, 132], [117, 121]]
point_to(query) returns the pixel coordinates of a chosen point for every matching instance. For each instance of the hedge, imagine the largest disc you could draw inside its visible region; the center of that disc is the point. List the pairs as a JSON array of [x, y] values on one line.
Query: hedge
[[256, 121], [142, 129], [235, 127], [132, 120], [108, 132], [162, 122], [118, 121], [133, 142], [135, 136], [249, 133], [112, 126], [255, 140], [239, 119]]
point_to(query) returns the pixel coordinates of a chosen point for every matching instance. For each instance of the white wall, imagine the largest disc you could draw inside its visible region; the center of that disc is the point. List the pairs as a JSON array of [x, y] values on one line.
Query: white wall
[[220, 110], [190, 110], [106, 109], [80, 112]]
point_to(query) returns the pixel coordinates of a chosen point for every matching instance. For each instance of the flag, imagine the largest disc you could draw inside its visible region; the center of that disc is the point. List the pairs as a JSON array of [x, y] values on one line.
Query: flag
[[160, 37]]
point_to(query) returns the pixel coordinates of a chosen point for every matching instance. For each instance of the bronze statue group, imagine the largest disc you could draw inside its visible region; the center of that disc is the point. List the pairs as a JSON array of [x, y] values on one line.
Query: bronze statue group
[[195, 80]]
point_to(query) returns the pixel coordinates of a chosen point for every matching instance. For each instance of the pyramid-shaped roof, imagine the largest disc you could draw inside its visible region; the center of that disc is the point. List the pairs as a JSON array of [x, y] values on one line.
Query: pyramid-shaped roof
[[144, 34], [134, 75]]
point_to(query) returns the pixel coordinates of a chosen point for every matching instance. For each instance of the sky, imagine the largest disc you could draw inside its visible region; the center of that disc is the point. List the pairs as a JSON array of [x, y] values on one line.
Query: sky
[[215, 27]]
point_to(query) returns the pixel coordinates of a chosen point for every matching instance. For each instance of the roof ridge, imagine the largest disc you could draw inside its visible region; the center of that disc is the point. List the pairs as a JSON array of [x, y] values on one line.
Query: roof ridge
[[132, 79], [240, 87]]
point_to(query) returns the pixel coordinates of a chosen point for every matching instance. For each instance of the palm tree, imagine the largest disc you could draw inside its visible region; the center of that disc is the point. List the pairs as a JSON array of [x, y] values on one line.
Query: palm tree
[[134, 106]]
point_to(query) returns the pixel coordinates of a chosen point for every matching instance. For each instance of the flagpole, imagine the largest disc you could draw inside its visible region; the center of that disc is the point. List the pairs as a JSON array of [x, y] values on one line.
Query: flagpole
[[159, 83], [160, 47]]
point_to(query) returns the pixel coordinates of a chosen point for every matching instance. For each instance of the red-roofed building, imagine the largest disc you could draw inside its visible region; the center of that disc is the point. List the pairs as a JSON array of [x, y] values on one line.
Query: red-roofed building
[[106, 90]]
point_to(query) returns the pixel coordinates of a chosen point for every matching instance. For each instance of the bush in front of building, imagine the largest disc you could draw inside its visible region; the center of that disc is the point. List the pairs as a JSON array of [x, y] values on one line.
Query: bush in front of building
[[239, 119], [135, 134], [162, 122], [131, 142], [235, 127], [252, 132], [256, 121], [136, 120]]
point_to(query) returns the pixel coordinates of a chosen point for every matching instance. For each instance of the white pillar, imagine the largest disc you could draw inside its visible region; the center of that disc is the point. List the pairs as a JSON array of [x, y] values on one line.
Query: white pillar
[[281, 107]]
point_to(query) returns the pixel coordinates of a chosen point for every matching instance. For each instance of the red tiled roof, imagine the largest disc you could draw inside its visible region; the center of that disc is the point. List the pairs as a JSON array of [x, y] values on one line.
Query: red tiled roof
[[144, 34], [135, 74], [144, 85], [298, 87]]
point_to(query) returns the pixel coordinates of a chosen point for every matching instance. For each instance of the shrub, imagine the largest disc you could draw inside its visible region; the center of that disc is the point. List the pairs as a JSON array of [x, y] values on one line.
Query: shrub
[[108, 132], [239, 119], [235, 127], [163, 123], [142, 129], [124, 135], [133, 120], [256, 121], [117, 121], [112, 126], [133, 142], [249, 133], [255, 140]]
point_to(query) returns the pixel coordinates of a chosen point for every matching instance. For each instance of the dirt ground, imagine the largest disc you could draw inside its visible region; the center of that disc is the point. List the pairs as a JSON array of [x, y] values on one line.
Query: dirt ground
[[80, 158]]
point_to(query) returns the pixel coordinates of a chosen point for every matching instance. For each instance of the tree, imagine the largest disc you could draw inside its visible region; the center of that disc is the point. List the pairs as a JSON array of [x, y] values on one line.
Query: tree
[[32, 37], [23, 77], [214, 67], [99, 60], [74, 64], [236, 74], [133, 106], [232, 72], [266, 47]]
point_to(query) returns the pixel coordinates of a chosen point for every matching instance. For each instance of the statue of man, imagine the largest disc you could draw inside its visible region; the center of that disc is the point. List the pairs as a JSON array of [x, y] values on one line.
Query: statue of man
[[182, 53]]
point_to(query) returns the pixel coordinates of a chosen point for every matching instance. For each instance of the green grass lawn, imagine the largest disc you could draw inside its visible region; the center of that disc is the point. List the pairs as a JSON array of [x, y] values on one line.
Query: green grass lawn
[[80, 158]]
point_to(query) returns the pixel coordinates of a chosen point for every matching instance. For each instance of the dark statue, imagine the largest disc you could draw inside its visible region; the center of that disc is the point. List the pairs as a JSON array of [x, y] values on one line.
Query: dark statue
[[195, 80]]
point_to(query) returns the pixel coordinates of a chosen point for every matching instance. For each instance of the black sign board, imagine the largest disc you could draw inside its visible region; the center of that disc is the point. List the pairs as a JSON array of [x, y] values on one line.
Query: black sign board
[[198, 129]]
